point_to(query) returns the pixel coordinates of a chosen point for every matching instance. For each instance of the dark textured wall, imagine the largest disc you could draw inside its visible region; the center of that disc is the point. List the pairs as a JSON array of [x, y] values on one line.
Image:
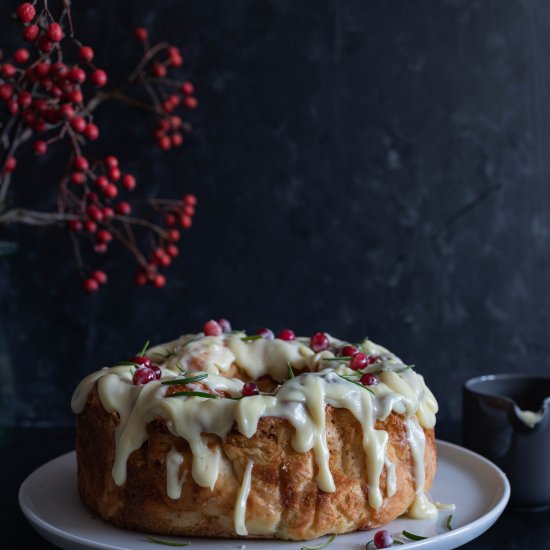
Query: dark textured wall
[[366, 168]]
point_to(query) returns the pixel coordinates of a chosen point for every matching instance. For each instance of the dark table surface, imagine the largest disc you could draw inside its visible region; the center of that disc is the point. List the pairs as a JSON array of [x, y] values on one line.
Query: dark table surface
[[25, 449]]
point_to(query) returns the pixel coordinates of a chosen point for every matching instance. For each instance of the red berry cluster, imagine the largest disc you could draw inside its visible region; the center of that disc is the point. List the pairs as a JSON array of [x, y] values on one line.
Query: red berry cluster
[[146, 370], [48, 98]]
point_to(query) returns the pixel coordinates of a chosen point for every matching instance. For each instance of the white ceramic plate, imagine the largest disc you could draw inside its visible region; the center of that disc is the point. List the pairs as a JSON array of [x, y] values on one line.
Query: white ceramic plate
[[480, 491]]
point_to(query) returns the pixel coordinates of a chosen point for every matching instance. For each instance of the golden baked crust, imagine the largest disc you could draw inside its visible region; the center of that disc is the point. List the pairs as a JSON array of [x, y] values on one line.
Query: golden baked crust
[[284, 501]]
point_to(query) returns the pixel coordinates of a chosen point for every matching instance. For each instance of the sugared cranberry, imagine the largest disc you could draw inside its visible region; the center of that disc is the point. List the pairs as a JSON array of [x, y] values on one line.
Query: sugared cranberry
[[143, 375], [265, 333], [212, 328], [347, 351], [358, 361], [141, 360], [319, 342], [26, 12], [383, 539], [157, 371], [224, 323], [250, 389], [286, 334], [369, 379]]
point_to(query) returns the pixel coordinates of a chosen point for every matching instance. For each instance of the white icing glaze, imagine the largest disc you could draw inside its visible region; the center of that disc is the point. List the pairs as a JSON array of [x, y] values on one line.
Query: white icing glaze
[[529, 418], [242, 497], [300, 400], [421, 508], [174, 481]]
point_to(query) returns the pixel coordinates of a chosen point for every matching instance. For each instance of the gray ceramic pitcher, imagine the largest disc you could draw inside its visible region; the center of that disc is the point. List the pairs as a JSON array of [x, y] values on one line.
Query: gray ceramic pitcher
[[506, 418]]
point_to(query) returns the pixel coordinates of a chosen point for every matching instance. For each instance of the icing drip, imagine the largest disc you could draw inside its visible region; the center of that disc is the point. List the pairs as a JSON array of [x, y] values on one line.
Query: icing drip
[[242, 497], [300, 400], [174, 482], [421, 508]]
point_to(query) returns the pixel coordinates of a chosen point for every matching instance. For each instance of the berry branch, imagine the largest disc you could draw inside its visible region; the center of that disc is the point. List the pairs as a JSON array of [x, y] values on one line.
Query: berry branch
[[50, 90]]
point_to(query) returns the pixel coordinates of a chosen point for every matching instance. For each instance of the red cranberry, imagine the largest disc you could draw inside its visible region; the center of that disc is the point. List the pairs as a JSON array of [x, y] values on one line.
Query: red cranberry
[[91, 285], [358, 361], [128, 182], [26, 12], [265, 333], [190, 102], [159, 281], [224, 323], [40, 147], [190, 199], [347, 351], [91, 132], [212, 328], [187, 88], [100, 276], [383, 539], [110, 191], [30, 33], [86, 54], [319, 342], [81, 164], [250, 389], [99, 78], [111, 161], [286, 334], [372, 359], [369, 379], [54, 32], [141, 34], [174, 235], [21, 55], [143, 375], [78, 124], [123, 208], [44, 44], [10, 165], [141, 360], [157, 371]]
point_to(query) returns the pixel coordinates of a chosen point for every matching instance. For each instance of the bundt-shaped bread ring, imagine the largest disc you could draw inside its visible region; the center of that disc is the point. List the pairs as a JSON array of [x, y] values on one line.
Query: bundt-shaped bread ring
[[325, 448]]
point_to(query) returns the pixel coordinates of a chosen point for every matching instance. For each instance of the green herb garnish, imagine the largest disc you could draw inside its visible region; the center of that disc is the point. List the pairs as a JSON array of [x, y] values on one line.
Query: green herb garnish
[[167, 542], [343, 358], [144, 349], [404, 369], [185, 380], [251, 338], [126, 364], [290, 371], [371, 542], [412, 536], [192, 394], [449, 524], [318, 547], [356, 383]]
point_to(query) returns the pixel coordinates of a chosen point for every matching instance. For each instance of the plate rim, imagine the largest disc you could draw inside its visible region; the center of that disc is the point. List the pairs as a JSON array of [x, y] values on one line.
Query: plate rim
[[478, 526]]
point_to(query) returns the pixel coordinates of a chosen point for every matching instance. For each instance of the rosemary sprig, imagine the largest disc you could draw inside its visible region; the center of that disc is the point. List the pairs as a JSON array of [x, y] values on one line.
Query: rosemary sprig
[[320, 546], [412, 536], [370, 544], [356, 383], [167, 542], [126, 364], [185, 380], [343, 358], [290, 371], [144, 349], [193, 394], [251, 338], [449, 524]]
